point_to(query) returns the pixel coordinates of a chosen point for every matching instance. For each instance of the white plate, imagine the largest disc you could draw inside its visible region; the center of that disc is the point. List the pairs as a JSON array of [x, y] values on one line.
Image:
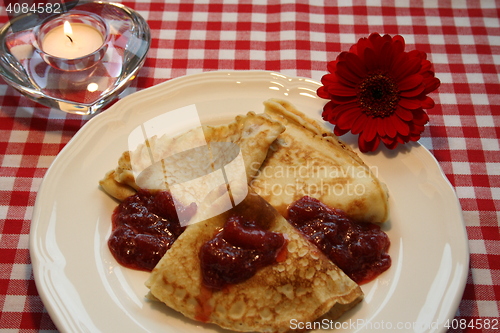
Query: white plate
[[85, 290]]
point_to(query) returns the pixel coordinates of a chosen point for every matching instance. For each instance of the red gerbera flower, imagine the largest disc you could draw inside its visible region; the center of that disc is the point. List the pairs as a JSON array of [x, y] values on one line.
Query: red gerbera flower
[[379, 91]]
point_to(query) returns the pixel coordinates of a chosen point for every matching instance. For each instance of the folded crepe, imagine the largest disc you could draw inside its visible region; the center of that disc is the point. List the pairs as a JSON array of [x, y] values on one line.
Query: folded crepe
[[303, 286], [308, 159], [232, 151]]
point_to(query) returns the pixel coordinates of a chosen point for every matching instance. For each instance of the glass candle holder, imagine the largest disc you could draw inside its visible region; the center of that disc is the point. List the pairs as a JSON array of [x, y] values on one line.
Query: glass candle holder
[[83, 83], [73, 41]]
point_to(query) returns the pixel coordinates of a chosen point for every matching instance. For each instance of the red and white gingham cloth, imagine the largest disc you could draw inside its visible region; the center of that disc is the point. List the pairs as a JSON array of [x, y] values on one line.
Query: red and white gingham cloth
[[461, 38]]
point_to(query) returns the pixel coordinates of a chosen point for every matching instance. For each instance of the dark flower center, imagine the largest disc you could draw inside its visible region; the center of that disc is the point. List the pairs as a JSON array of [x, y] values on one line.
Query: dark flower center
[[378, 95]]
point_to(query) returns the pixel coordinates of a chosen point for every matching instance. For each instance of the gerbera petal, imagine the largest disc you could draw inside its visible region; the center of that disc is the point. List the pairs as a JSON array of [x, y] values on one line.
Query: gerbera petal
[[380, 126], [328, 79], [331, 111], [389, 128], [413, 92], [427, 103], [390, 143], [328, 112], [417, 129], [371, 60], [344, 71], [409, 103], [367, 146], [355, 64], [410, 82], [360, 46], [331, 66], [359, 124], [343, 99], [337, 88], [398, 44], [347, 118], [431, 84], [415, 137], [400, 125], [321, 92], [402, 138], [338, 131], [404, 114], [409, 67], [420, 117], [370, 131], [386, 56]]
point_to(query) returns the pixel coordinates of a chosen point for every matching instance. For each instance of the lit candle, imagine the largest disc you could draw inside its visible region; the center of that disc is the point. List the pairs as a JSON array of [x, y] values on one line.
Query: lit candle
[[74, 41], [71, 41]]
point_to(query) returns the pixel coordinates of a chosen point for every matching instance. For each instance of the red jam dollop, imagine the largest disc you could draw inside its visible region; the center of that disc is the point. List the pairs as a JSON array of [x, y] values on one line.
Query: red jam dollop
[[145, 225], [237, 252], [359, 249]]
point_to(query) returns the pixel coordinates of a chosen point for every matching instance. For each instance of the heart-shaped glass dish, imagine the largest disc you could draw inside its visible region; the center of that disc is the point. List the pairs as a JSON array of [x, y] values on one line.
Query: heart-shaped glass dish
[[85, 91]]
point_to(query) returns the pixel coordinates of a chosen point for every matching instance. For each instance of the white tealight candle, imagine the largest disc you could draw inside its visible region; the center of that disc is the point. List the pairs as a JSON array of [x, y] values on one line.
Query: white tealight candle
[[71, 41]]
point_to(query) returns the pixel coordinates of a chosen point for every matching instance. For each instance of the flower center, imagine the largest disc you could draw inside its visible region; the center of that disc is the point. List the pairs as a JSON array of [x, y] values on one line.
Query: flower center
[[378, 95]]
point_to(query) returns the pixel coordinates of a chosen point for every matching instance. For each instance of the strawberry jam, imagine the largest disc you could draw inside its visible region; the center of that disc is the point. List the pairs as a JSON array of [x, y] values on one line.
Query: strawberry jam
[[145, 225], [237, 252], [359, 249]]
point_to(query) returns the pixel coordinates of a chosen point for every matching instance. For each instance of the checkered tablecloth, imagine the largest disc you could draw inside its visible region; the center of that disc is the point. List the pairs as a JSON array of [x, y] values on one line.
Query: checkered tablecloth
[[461, 38]]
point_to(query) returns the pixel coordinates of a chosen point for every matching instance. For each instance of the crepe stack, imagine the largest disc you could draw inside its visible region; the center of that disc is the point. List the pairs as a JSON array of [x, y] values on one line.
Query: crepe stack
[[268, 161]]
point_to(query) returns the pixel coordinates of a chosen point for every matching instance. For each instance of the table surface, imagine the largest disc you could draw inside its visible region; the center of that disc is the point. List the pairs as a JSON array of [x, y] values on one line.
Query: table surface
[[297, 38]]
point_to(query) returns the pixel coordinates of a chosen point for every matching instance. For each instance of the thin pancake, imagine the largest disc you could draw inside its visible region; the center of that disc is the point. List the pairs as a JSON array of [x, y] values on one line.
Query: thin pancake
[[164, 160], [304, 287], [307, 159]]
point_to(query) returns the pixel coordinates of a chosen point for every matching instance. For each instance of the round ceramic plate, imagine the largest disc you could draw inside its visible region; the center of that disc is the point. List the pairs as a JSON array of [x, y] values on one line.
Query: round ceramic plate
[[85, 290]]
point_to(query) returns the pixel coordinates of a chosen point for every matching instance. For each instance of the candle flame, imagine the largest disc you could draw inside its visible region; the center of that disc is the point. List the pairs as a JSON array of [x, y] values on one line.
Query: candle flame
[[67, 29]]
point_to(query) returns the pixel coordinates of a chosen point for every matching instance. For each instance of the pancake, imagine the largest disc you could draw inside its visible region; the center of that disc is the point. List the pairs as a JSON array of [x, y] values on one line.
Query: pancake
[[305, 286], [308, 159], [199, 160]]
